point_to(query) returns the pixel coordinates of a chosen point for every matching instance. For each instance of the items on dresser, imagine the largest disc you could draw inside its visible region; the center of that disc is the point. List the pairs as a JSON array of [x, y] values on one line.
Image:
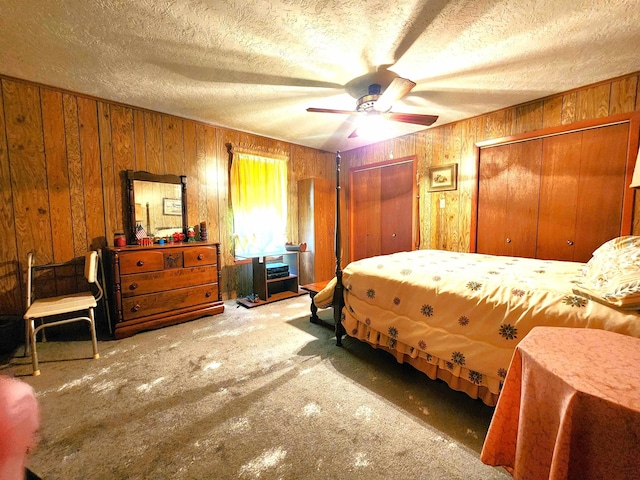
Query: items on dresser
[[158, 285]]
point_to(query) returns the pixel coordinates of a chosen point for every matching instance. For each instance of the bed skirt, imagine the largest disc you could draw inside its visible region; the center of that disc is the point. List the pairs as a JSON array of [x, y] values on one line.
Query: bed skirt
[[433, 367]]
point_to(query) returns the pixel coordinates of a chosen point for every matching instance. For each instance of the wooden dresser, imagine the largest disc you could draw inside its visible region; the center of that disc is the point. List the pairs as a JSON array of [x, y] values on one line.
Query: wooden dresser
[[155, 286]]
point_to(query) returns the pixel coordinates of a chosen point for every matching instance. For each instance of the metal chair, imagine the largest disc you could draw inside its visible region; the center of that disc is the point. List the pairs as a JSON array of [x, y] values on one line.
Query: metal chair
[[82, 303]]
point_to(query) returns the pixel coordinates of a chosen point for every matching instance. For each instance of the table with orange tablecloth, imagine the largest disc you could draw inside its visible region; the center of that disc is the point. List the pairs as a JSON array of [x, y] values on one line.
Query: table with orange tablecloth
[[569, 408]]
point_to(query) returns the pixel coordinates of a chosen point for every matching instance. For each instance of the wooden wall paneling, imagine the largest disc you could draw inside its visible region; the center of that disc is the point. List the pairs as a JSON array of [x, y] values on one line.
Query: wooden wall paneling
[[593, 102], [497, 124], [91, 166], [451, 149], [109, 176], [424, 159], [27, 162], [191, 171], [292, 197], [173, 145], [76, 185], [57, 175], [153, 142], [139, 140], [466, 181], [529, 117], [200, 171], [11, 289], [215, 182], [123, 156], [569, 105], [623, 95], [552, 112], [437, 213]]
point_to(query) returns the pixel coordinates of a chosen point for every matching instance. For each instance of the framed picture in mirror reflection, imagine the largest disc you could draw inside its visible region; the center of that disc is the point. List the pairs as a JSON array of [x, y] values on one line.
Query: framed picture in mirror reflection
[[171, 206]]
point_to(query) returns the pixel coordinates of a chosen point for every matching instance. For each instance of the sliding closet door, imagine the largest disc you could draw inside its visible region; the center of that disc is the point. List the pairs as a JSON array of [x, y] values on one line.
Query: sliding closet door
[[581, 192], [509, 184]]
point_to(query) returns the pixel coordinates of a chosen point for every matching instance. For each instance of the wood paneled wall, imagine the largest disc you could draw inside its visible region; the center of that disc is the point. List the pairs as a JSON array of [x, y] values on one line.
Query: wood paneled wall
[[62, 158], [449, 228]]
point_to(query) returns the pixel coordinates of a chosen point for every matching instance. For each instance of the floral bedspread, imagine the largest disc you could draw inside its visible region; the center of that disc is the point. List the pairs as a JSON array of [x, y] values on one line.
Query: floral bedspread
[[466, 312]]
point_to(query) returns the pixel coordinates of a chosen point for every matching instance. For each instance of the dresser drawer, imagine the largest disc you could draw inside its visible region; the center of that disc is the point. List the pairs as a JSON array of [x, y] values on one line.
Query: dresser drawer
[[144, 261], [143, 305], [196, 256], [144, 283]]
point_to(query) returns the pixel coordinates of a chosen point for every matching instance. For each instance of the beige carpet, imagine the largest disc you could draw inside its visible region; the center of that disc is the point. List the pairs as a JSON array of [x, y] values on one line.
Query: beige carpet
[[249, 394]]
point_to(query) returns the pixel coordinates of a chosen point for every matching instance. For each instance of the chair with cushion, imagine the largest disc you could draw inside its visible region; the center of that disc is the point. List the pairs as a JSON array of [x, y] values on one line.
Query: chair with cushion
[[81, 304]]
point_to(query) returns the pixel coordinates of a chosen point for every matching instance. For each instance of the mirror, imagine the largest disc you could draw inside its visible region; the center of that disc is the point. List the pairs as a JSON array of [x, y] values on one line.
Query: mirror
[[157, 204]]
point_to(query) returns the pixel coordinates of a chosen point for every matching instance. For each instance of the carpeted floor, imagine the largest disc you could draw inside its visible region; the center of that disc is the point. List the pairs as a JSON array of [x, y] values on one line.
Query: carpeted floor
[[250, 394]]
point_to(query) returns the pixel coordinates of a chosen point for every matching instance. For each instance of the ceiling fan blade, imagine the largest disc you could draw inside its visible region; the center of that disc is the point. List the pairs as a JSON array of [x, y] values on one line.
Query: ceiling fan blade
[[397, 89], [416, 118], [329, 110]]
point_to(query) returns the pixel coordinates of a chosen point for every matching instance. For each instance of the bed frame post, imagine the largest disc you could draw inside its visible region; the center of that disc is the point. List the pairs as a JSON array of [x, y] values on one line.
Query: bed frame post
[[338, 298]]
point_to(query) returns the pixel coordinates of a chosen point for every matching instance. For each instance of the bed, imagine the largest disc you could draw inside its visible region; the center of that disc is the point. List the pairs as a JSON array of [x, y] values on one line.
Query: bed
[[459, 316]]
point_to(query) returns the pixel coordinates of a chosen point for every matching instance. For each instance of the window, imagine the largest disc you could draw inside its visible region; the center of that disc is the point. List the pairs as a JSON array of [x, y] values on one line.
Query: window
[[259, 202]]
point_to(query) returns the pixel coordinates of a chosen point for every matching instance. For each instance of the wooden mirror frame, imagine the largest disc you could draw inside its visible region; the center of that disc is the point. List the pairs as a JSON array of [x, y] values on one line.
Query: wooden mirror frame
[[152, 177]]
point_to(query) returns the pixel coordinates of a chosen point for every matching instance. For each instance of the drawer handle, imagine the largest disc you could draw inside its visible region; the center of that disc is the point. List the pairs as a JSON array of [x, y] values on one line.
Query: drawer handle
[[200, 257], [136, 307], [133, 286], [569, 242], [140, 263], [508, 240], [208, 294]]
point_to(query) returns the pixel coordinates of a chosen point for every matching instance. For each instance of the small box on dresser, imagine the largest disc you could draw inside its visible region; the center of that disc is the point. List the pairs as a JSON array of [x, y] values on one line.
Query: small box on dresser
[[158, 285]]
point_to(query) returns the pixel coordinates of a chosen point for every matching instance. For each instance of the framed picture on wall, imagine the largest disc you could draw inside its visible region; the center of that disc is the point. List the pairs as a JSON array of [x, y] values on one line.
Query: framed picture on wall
[[171, 206], [443, 177]]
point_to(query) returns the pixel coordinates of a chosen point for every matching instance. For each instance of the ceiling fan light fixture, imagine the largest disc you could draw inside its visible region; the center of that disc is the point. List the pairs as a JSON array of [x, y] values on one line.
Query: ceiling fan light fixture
[[372, 126]]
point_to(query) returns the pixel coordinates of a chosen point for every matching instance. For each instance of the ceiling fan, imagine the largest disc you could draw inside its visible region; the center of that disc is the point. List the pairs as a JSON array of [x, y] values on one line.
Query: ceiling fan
[[375, 103]]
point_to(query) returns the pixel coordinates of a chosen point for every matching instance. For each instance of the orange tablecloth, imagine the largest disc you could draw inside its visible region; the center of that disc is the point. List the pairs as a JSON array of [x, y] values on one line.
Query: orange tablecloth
[[569, 408]]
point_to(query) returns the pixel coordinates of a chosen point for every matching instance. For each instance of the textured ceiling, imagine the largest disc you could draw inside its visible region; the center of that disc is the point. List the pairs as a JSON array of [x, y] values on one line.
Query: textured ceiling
[[256, 66]]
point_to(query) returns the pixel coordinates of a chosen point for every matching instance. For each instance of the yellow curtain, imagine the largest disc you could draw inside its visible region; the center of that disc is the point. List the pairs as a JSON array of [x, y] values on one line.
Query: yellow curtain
[[259, 203]]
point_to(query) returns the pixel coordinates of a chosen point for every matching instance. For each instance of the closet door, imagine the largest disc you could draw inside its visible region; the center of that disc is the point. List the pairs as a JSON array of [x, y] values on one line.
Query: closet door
[[365, 215], [509, 183], [581, 192], [396, 208], [381, 216]]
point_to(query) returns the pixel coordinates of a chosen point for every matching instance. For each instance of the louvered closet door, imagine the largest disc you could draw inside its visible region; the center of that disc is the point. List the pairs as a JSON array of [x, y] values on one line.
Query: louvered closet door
[[581, 192], [509, 184]]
